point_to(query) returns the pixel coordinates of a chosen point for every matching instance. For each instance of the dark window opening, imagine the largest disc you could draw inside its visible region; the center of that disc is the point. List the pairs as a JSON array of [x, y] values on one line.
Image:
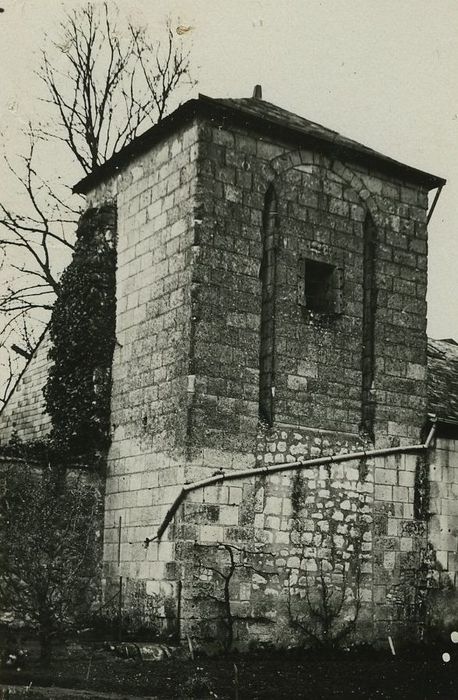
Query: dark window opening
[[322, 287], [368, 344], [268, 274]]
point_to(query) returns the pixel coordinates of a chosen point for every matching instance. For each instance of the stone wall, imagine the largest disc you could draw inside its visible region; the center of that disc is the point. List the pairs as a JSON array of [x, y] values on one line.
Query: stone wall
[[218, 230], [155, 202], [379, 532], [322, 206], [337, 520], [24, 413], [400, 551], [443, 524], [415, 543], [322, 372], [285, 531], [197, 233]]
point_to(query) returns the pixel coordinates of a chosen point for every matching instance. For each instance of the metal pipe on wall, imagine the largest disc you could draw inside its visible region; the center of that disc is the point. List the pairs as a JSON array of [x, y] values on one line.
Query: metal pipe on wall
[[222, 477]]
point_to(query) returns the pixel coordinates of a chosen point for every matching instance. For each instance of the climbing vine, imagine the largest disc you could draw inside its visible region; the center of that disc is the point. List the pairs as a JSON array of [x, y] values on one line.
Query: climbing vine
[[421, 488], [82, 331]]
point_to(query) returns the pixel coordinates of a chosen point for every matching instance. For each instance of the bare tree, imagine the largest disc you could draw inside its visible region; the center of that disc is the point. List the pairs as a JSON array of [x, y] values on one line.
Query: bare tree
[[36, 233], [9, 374], [49, 550], [324, 609], [113, 86], [102, 87], [235, 559]]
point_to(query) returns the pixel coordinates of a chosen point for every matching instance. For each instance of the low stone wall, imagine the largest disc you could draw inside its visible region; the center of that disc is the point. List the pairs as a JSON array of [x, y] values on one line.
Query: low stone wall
[[348, 531], [442, 608], [260, 554], [24, 414]]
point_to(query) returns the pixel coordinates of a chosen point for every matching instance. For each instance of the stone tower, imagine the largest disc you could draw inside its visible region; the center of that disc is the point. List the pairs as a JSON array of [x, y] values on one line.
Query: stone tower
[[271, 310]]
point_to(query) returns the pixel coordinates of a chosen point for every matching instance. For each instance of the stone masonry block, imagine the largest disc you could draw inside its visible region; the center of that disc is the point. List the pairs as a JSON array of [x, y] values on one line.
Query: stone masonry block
[[229, 515], [449, 507], [400, 493], [406, 479], [383, 493], [273, 505], [307, 369], [297, 383], [211, 533], [416, 371], [385, 476]]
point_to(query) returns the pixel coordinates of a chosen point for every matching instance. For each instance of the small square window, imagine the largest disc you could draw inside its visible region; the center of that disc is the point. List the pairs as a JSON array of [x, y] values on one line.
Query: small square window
[[320, 287]]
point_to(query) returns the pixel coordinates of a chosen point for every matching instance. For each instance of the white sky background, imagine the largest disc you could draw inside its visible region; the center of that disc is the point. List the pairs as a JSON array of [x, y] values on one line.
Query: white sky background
[[383, 72]]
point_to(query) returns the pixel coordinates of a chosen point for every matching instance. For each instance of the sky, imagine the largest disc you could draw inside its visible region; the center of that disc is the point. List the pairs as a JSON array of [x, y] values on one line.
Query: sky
[[382, 72]]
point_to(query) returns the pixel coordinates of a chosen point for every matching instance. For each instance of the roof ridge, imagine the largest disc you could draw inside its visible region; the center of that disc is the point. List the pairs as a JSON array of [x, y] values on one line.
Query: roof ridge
[[274, 121], [255, 100]]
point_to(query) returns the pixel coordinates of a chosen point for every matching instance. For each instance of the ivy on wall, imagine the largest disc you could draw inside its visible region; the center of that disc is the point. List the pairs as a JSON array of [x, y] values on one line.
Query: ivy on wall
[[82, 331]]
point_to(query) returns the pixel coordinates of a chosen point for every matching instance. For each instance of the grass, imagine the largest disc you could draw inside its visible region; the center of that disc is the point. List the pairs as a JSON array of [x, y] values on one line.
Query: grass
[[418, 674]]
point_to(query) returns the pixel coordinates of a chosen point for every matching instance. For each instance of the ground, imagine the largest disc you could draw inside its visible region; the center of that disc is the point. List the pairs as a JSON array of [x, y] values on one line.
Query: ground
[[417, 674]]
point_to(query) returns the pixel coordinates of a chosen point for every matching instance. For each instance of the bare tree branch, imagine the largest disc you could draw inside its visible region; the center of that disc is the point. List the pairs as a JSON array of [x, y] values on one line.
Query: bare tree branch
[[102, 87], [118, 86]]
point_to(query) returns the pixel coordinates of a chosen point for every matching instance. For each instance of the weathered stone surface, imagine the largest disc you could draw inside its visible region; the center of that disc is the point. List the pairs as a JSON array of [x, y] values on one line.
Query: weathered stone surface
[[206, 262], [24, 414]]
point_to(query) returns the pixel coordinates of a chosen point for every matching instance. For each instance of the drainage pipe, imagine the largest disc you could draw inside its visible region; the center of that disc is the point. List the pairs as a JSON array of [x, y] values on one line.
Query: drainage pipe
[[220, 477], [433, 205]]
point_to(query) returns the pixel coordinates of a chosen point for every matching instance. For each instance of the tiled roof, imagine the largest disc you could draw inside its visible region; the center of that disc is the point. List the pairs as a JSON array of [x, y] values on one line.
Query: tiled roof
[[443, 379], [267, 119], [282, 117]]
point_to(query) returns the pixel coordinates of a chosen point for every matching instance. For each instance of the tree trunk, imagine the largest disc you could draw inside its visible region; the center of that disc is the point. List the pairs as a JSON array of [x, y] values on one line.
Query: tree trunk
[[45, 645]]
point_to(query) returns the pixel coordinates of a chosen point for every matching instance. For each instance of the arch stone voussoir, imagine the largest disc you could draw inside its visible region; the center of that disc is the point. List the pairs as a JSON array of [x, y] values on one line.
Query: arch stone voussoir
[[293, 159], [356, 183], [306, 157], [290, 160]]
